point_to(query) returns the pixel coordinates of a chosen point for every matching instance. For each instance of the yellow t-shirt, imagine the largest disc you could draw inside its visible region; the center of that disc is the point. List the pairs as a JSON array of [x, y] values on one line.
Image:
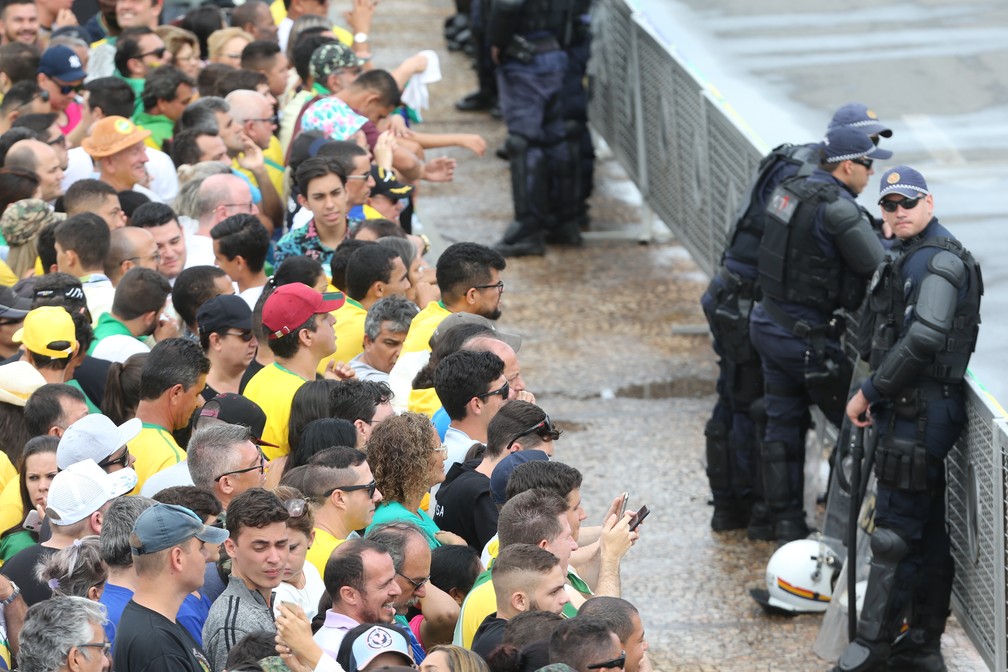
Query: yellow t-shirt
[[423, 327], [11, 509], [7, 277], [154, 449], [7, 471], [424, 401], [322, 548], [273, 389], [349, 333], [479, 603], [273, 169]]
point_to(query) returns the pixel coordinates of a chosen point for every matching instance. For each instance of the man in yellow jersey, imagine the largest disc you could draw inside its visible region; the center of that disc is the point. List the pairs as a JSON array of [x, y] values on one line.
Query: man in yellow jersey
[[300, 331], [170, 385], [341, 480], [373, 272], [469, 276]]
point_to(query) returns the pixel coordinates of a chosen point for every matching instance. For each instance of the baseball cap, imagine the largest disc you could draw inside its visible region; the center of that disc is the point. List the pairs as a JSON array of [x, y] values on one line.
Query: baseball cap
[[111, 135], [82, 488], [902, 180], [22, 220], [48, 330], [387, 185], [18, 380], [236, 409], [861, 117], [331, 57], [61, 63], [290, 306], [12, 306], [844, 143], [223, 312], [502, 472], [165, 525], [374, 641], [455, 319], [94, 437]]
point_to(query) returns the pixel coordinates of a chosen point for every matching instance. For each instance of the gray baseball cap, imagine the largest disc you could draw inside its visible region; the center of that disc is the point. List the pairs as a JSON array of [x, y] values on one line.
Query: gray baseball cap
[[165, 525]]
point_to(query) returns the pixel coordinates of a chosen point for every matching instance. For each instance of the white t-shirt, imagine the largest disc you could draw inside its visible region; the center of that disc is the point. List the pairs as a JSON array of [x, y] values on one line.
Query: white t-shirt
[[307, 598]]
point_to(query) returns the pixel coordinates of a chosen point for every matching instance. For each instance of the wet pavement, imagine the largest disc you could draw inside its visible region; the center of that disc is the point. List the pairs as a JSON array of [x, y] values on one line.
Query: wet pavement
[[611, 352]]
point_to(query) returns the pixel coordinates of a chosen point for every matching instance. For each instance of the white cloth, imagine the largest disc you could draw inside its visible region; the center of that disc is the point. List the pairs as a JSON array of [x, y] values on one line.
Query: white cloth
[[415, 94], [118, 348], [199, 251], [164, 178], [366, 371], [307, 598], [99, 295], [402, 374], [177, 474], [283, 32], [251, 295]]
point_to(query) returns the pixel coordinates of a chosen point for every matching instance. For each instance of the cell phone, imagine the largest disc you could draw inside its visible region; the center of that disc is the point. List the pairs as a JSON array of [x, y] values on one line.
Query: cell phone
[[622, 508], [32, 522], [639, 517]]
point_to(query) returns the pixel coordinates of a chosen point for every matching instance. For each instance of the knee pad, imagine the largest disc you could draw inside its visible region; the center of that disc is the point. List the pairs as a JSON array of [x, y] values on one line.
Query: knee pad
[[888, 546]]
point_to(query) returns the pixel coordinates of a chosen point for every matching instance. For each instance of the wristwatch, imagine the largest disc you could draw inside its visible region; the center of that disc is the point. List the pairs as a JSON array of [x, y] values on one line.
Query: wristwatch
[[360, 38], [15, 592], [426, 243]]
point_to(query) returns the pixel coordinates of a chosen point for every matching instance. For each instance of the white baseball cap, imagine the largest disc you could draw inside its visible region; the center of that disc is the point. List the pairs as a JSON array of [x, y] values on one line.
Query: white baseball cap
[[94, 437], [83, 488]]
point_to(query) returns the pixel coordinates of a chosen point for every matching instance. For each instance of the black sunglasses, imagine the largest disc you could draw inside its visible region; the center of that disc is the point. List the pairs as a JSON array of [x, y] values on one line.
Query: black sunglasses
[[261, 467], [618, 663], [905, 203], [867, 163], [545, 428], [243, 335], [67, 89], [370, 487], [159, 52], [504, 390], [122, 460]]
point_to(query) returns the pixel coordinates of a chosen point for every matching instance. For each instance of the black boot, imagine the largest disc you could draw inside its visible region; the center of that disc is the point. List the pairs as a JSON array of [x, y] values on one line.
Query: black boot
[[477, 101], [917, 651], [524, 235], [727, 515]]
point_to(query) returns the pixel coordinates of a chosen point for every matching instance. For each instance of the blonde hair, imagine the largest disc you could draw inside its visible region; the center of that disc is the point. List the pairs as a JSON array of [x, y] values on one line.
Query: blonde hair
[[218, 38], [175, 38]]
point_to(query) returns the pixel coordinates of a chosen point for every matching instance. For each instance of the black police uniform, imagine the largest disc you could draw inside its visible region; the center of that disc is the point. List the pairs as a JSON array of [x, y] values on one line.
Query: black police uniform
[[817, 252], [735, 426], [926, 305]]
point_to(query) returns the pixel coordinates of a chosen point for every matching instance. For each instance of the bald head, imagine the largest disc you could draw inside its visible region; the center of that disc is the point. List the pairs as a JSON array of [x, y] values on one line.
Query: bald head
[[254, 114], [130, 247], [219, 197], [41, 159], [512, 370]]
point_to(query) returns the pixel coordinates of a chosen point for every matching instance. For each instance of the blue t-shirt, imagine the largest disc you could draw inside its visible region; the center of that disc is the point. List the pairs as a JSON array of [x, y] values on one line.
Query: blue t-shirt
[[115, 599], [193, 614]]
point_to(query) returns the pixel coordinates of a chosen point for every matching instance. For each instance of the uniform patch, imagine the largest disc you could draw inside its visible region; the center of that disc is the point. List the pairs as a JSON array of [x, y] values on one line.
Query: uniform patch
[[893, 178]]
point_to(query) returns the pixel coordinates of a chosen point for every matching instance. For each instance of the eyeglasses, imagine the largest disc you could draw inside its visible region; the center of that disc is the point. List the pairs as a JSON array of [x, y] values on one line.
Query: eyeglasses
[[370, 487], [159, 53], [269, 119], [67, 89], [122, 460], [617, 663], [244, 206], [296, 507], [499, 286], [417, 585], [104, 646], [544, 428], [504, 390], [261, 467], [440, 449], [243, 335], [362, 176], [905, 203], [867, 163]]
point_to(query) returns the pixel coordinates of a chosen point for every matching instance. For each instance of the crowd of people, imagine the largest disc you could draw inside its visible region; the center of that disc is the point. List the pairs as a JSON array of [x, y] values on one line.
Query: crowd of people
[[246, 425]]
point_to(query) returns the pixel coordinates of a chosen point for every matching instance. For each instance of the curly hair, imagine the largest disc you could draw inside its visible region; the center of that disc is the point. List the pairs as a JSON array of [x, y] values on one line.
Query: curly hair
[[399, 453]]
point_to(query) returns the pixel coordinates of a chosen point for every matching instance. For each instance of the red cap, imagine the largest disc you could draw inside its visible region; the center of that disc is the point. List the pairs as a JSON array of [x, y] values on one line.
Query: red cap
[[290, 306]]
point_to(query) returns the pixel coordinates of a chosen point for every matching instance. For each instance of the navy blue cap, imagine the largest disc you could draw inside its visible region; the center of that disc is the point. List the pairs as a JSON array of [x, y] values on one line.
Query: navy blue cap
[[502, 472], [61, 63], [861, 117], [902, 180], [844, 143]]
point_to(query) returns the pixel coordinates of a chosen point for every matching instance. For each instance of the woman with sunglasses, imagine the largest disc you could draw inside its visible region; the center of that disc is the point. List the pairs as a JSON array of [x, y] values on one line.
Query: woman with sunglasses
[[302, 584], [36, 470], [407, 458]]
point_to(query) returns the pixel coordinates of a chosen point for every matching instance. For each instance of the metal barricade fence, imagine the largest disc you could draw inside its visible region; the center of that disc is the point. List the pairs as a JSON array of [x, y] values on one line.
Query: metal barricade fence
[[692, 159]]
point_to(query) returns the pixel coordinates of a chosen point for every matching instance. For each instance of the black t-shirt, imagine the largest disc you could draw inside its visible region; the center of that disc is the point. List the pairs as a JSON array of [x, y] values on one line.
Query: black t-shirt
[[21, 570], [464, 505], [146, 641], [208, 393], [488, 636], [253, 368]]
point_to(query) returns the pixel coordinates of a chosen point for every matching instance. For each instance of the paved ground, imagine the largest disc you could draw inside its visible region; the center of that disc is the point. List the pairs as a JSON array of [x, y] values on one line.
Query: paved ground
[[602, 357]]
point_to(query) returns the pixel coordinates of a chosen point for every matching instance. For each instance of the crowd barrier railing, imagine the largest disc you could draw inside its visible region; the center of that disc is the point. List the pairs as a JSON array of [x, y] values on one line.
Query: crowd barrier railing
[[692, 156]]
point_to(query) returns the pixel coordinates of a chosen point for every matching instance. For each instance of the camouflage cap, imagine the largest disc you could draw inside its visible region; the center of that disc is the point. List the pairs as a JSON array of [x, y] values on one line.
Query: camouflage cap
[[331, 57], [22, 220]]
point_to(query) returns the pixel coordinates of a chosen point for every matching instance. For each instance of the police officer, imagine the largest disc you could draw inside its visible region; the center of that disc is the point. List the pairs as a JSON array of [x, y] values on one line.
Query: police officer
[[731, 431], [528, 38], [817, 252], [926, 308]]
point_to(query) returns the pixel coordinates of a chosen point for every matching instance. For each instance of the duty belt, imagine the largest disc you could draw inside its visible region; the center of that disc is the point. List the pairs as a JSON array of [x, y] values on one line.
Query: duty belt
[[800, 328]]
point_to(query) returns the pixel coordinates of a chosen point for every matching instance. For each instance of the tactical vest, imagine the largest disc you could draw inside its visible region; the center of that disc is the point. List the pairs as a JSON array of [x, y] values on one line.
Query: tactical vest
[[889, 307], [551, 16], [792, 266], [744, 238]]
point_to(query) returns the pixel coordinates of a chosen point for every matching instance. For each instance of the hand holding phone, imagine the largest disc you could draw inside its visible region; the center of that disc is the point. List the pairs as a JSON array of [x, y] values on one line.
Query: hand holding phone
[[639, 517], [33, 521], [623, 503]]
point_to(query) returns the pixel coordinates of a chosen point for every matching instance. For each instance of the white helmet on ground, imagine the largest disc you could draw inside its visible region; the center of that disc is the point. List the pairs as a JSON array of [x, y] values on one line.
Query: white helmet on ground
[[799, 578]]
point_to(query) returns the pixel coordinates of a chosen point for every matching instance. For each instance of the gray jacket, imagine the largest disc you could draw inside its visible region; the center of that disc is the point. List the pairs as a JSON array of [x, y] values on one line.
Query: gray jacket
[[237, 612]]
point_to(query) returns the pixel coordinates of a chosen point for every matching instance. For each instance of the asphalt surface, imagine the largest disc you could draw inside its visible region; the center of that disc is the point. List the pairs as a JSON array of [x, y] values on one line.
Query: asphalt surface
[[610, 352]]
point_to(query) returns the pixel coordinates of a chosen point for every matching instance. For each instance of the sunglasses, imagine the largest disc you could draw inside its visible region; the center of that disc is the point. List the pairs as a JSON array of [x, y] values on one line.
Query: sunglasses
[[370, 487], [158, 53], [296, 507], [243, 335], [67, 89], [617, 663], [905, 203], [545, 428], [122, 460], [867, 163], [504, 390]]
